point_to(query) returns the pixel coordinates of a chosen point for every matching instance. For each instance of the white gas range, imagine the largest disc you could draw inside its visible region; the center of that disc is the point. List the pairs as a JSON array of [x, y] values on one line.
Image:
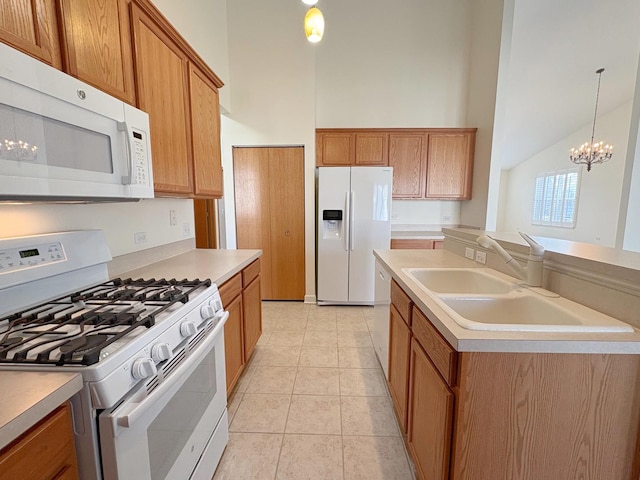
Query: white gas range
[[150, 351]]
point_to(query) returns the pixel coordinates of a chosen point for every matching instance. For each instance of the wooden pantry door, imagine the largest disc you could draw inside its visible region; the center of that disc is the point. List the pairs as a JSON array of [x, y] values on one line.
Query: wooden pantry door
[[269, 200]]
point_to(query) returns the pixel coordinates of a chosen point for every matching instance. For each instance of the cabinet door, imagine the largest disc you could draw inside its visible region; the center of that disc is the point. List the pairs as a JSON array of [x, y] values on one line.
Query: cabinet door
[[335, 149], [430, 417], [286, 203], [450, 165], [253, 215], [407, 156], [252, 311], [30, 26], [47, 450], [97, 44], [162, 77], [205, 134], [372, 149], [233, 343], [399, 348]]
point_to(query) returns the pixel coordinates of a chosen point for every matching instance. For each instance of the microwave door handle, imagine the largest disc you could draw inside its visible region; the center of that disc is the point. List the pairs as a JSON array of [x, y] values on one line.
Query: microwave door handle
[[137, 409], [124, 127]]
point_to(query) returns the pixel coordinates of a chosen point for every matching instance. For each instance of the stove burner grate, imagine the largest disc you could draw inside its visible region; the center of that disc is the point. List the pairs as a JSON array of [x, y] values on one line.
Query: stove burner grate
[[73, 329]]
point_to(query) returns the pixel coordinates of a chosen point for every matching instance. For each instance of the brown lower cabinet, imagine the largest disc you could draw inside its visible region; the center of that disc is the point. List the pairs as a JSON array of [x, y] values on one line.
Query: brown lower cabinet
[[507, 416], [399, 349], [241, 298], [46, 451], [397, 243], [430, 417]]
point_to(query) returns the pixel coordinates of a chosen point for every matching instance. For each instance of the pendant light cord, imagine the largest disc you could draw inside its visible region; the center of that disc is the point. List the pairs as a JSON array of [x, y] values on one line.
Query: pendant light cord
[[595, 113]]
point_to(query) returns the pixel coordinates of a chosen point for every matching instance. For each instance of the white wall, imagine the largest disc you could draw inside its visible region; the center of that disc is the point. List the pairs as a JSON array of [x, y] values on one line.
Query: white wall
[[486, 53], [203, 24], [393, 64], [118, 220], [425, 212], [600, 189]]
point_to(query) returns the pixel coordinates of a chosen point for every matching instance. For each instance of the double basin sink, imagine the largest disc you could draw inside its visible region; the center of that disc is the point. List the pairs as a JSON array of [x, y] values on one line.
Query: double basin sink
[[481, 299]]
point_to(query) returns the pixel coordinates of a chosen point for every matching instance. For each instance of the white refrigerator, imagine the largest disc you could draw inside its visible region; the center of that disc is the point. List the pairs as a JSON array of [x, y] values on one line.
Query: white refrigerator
[[354, 218]]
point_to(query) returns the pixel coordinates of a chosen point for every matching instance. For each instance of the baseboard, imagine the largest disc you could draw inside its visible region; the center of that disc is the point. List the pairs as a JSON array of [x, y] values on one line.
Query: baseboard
[[309, 299]]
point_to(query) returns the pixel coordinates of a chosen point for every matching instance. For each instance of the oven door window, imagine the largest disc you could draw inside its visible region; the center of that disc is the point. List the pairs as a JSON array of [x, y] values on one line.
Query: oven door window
[[161, 432], [169, 433]]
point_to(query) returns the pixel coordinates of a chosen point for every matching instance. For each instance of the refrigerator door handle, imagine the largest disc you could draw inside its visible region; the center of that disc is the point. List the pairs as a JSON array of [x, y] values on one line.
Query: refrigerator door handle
[[352, 236], [347, 226]]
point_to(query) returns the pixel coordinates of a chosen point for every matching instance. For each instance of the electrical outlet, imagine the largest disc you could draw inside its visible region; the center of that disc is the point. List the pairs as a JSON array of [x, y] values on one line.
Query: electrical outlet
[[173, 219], [446, 218], [395, 216], [468, 252], [481, 257], [186, 229], [140, 237]]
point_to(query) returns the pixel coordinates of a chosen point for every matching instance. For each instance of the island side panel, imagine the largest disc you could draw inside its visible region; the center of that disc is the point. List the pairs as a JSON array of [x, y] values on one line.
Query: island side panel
[[541, 416]]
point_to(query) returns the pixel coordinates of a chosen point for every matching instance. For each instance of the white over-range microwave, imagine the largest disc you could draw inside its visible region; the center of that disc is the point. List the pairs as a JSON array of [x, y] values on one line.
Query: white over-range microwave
[[63, 140]]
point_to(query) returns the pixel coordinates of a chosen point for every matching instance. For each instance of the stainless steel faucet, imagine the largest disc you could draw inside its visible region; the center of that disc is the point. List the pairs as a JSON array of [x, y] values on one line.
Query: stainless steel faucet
[[532, 273]]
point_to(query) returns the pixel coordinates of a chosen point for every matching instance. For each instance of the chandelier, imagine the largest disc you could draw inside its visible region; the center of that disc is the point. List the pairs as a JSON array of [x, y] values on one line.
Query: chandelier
[[313, 22], [593, 152]]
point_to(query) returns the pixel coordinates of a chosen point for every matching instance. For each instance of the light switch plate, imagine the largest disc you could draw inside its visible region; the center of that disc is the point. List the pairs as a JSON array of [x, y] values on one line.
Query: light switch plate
[[468, 252], [481, 257]]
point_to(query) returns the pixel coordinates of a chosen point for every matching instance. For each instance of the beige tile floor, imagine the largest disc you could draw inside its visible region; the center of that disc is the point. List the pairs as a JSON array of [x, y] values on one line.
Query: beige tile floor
[[312, 402]]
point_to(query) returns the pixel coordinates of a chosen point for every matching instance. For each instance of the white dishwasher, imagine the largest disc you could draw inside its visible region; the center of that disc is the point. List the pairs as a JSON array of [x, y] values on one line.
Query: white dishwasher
[[382, 302]]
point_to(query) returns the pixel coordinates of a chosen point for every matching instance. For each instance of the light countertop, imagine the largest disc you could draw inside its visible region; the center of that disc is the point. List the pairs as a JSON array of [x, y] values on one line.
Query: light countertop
[[491, 341], [219, 265], [28, 397]]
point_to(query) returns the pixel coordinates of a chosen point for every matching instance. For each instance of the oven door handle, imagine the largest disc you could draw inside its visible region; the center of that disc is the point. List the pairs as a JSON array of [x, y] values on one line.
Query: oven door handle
[[136, 409]]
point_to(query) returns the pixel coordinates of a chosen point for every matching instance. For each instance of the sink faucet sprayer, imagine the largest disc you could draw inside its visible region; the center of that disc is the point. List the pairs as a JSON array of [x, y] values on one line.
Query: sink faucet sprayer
[[532, 273]]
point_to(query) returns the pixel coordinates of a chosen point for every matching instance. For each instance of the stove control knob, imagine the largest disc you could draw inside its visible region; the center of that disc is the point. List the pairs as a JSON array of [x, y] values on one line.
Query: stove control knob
[[187, 328], [207, 312], [160, 352], [143, 368]]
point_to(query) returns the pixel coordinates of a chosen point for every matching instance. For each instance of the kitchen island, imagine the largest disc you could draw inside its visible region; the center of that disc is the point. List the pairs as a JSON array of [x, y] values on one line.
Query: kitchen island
[[507, 405]]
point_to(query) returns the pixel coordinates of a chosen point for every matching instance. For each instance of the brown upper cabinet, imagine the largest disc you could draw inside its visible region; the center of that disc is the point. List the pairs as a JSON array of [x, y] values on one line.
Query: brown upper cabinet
[[408, 157], [205, 134], [428, 163], [163, 92], [31, 27], [450, 165], [180, 93], [128, 49], [347, 147], [96, 45]]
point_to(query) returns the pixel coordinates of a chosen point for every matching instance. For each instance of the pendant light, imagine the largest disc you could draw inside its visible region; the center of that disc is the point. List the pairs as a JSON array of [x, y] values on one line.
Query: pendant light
[[313, 22], [592, 153]]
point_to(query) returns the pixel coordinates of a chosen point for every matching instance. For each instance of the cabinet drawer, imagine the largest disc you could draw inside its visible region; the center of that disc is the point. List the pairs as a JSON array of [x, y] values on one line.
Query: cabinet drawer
[[442, 355], [250, 272], [45, 451], [411, 243], [230, 289], [401, 301]]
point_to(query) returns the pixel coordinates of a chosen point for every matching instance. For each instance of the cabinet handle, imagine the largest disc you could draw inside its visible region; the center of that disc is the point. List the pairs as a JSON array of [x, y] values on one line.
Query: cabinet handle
[[287, 233]]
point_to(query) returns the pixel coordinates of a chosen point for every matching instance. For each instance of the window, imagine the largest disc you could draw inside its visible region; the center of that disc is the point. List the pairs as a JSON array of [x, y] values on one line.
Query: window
[[556, 198]]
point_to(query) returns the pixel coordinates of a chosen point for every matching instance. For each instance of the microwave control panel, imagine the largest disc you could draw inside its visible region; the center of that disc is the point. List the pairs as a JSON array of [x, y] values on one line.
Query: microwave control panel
[[140, 159], [21, 258]]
